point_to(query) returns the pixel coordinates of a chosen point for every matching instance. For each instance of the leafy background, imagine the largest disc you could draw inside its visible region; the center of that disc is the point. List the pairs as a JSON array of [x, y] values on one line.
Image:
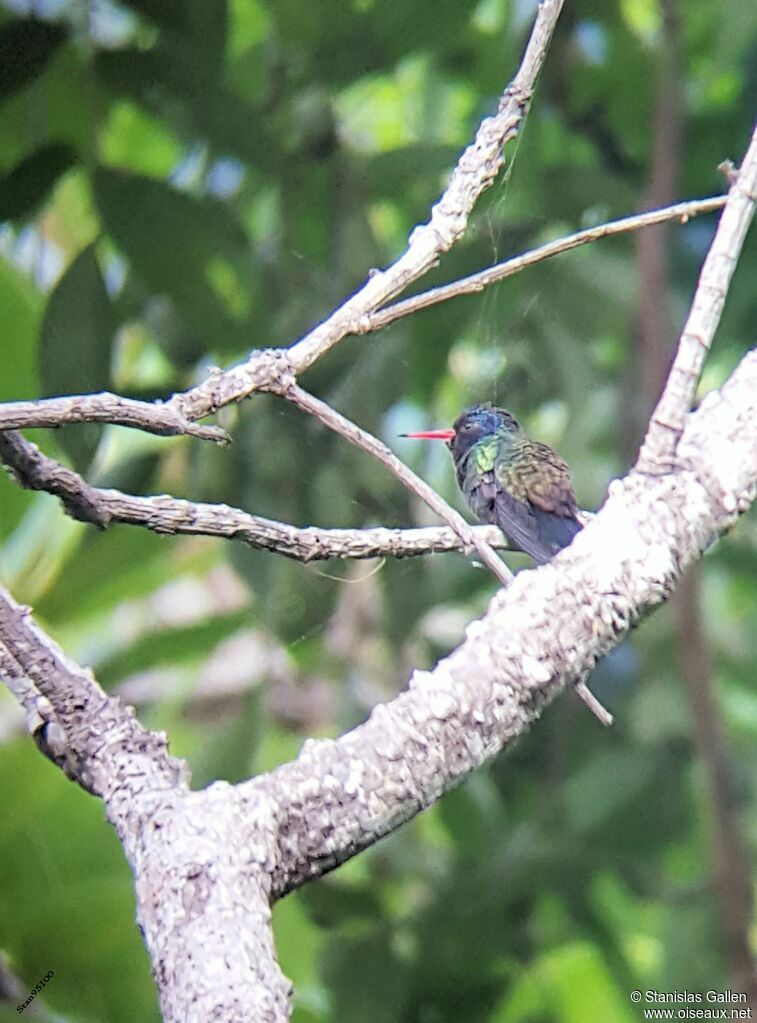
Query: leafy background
[[180, 182]]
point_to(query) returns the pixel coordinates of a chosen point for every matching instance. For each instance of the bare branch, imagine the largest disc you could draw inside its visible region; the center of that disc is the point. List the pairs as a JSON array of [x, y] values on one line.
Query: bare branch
[[201, 865], [682, 211], [659, 448], [475, 171], [95, 739], [35, 471], [153, 417], [199, 859], [176, 417], [540, 634], [171, 515], [216, 857], [355, 435], [417, 486]]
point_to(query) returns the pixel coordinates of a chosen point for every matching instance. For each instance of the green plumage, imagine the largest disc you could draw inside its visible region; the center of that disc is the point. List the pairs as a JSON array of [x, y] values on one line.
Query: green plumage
[[517, 483]]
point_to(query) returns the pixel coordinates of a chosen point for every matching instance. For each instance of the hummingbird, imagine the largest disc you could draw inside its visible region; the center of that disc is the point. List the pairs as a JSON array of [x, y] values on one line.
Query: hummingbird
[[516, 483]]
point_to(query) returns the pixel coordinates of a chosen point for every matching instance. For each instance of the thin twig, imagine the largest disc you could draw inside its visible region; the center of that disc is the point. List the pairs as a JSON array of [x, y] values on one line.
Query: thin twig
[[367, 442], [682, 211], [176, 416], [474, 173], [598, 709], [666, 425], [104, 407], [172, 516], [35, 471]]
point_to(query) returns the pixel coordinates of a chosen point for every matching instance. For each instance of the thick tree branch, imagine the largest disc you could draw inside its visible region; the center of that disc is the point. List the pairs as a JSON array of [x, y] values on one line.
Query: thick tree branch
[[202, 867], [201, 861], [659, 447], [96, 740], [475, 283], [208, 863], [540, 634]]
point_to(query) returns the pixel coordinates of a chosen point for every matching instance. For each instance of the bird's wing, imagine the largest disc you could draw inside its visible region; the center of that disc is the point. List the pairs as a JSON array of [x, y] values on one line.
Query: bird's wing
[[535, 503], [490, 502], [520, 524], [542, 479]]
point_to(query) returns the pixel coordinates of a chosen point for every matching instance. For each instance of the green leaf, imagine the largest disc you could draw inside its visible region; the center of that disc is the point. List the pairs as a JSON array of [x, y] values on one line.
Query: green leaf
[[52, 109], [332, 902], [76, 330], [26, 46], [396, 171], [371, 958], [107, 567], [167, 14], [173, 240], [179, 645], [230, 753], [135, 140], [66, 865], [473, 813], [298, 940], [28, 184], [405, 28], [570, 984], [604, 786], [201, 26], [170, 83], [75, 344], [21, 306]]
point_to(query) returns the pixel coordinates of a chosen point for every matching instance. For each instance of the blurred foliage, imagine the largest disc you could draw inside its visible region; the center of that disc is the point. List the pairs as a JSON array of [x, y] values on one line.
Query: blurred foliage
[[183, 181]]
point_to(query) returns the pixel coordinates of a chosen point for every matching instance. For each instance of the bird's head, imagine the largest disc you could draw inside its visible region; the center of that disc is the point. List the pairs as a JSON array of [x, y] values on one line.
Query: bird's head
[[470, 427]]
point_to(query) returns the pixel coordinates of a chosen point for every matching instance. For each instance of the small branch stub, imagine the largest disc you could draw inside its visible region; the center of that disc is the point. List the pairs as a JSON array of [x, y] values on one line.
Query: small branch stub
[[598, 710]]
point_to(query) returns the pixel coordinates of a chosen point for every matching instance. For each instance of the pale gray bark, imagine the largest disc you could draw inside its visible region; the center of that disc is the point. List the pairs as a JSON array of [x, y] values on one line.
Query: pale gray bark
[[540, 634], [202, 863], [665, 427], [153, 417], [208, 864], [172, 515]]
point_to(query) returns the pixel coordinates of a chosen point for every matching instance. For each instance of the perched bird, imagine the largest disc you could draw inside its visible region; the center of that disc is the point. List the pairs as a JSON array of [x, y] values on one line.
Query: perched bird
[[518, 484]]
